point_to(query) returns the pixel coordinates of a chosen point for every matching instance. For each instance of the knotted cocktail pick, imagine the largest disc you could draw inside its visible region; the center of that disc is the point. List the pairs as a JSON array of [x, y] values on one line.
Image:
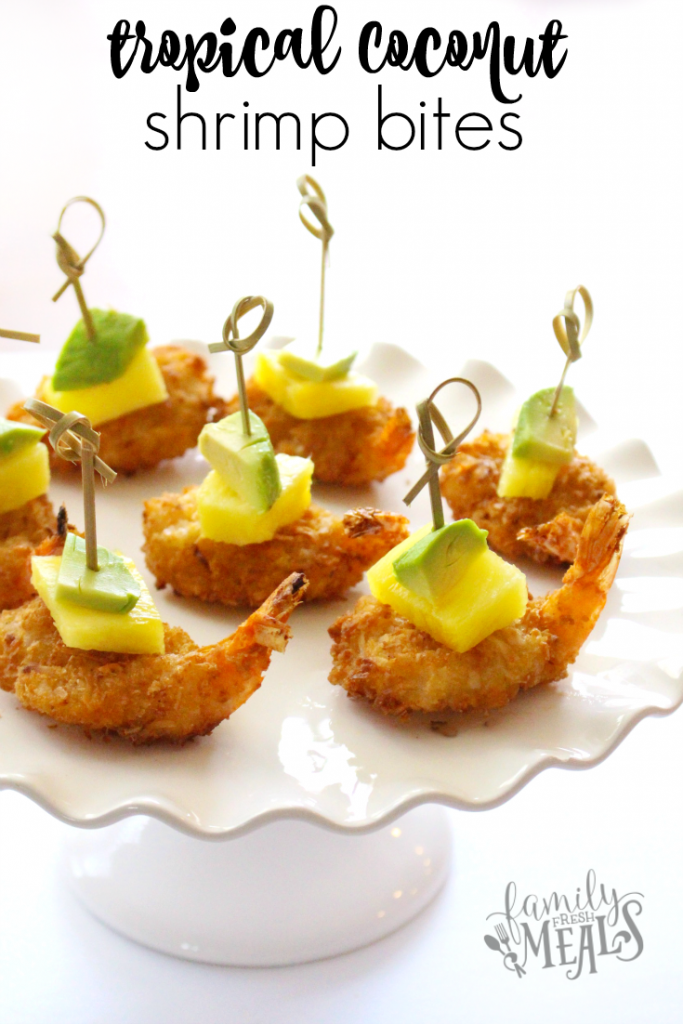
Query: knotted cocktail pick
[[570, 335], [73, 265], [240, 346], [429, 417], [313, 200], [74, 439]]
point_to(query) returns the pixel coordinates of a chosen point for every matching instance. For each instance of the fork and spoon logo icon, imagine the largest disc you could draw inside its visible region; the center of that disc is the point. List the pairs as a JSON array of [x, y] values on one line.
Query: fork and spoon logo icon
[[503, 940]]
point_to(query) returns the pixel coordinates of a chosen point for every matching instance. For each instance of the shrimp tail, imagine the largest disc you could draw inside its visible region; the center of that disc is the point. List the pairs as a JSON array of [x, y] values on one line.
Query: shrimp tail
[[267, 626], [600, 544], [210, 683], [570, 613]]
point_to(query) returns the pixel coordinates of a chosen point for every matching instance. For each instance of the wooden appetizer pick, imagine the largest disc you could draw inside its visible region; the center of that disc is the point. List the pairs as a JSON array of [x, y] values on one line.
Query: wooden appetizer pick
[[73, 439], [449, 625], [240, 346], [20, 336], [569, 333], [531, 490], [251, 521], [428, 416], [312, 402], [147, 405], [313, 200], [73, 266]]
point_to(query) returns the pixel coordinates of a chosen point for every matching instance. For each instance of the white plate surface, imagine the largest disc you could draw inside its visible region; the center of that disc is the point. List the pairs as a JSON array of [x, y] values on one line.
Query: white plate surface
[[300, 747]]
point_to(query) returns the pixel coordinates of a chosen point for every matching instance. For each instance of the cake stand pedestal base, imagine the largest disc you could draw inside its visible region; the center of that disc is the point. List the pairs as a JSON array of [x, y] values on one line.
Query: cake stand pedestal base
[[288, 892]]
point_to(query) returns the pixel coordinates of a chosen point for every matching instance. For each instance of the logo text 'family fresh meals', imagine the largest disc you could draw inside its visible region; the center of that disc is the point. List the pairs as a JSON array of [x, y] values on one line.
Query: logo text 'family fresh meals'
[[578, 932]]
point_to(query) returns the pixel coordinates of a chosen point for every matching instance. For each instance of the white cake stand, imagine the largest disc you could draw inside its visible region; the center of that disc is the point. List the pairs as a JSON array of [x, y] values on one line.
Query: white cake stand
[[330, 809]]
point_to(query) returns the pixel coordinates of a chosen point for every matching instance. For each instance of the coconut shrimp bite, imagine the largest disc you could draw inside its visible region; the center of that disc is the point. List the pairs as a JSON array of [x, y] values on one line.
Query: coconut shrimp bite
[[141, 439], [350, 448], [333, 552], [381, 657], [147, 405], [531, 490], [91, 650], [185, 692], [545, 529], [251, 522]]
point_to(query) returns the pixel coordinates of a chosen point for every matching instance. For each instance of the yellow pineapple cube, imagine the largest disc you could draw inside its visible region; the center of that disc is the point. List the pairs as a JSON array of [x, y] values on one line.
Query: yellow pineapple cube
[[141, 384], [225, 517], [491, 594], [139, 631], [308, 399], [24, 476], [526, 478]]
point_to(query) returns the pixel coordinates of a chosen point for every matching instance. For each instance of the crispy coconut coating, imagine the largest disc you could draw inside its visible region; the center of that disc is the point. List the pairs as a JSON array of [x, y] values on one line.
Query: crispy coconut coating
[[381, 657], [333, 553], [21, 531], [142, 439], [547, 529], [174, 696], [352, 448]]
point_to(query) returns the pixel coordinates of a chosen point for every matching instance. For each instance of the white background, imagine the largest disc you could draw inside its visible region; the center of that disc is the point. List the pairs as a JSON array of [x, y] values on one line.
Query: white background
[[454, 254]]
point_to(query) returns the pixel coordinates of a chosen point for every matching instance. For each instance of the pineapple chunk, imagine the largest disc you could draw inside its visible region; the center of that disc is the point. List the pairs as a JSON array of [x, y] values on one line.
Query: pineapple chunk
[[24, 476], [490, 595], [139, 631], [224, 517], [308, 399], [526, 478], [142, 384]]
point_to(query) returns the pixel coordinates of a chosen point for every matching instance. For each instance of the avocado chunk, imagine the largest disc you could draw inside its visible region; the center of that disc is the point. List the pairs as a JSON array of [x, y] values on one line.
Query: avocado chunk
[[306, 364], [246, 463], [433, 566], [538, 435], [15, 436], [112, 588], [83, 363]]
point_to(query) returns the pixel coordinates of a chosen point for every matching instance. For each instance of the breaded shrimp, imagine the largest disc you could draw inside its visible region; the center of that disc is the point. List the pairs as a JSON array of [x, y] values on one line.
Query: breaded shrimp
[[351, 448], [383, 658], [333, 553], [546, 529], [142, 439], [21, 531], [183, 693]]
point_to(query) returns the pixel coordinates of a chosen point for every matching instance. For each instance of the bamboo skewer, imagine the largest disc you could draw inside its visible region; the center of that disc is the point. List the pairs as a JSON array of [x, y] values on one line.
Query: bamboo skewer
[[73, 438], [71, 264], [313, 200], [570, 334], [240, 346], [20, 336], [429, 417]]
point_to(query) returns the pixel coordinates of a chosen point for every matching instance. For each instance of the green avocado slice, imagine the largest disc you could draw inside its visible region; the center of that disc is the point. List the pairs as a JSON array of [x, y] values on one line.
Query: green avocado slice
[[246, 462], [436, 562], [111, 589], [83, 363], [15, 436], [543, 437], [316, 368]]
